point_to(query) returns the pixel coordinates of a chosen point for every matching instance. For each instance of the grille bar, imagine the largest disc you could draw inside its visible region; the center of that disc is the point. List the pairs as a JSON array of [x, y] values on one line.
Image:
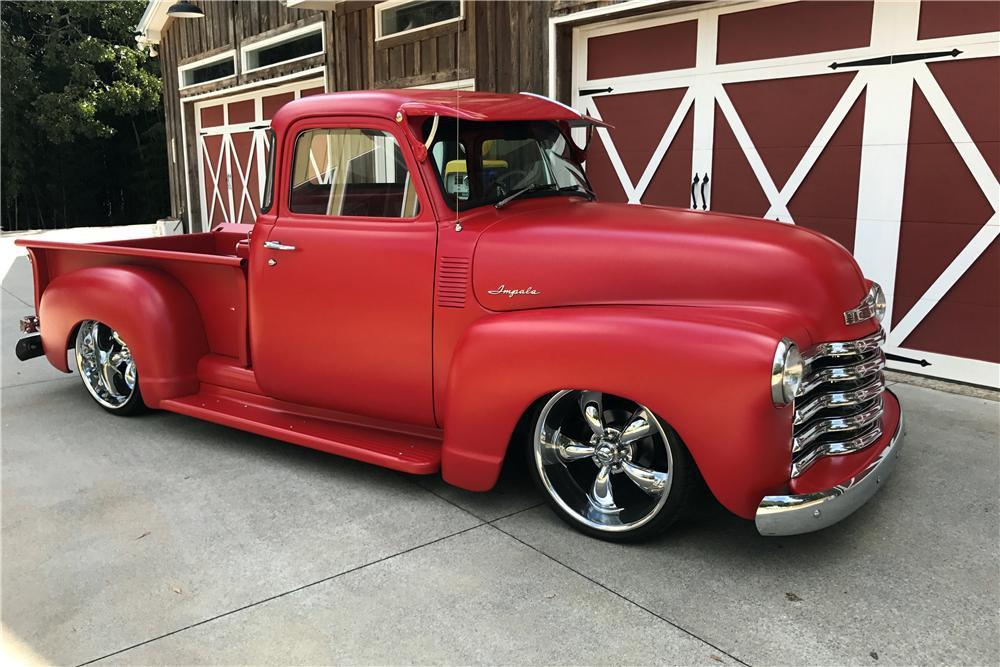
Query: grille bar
[[838, 408]]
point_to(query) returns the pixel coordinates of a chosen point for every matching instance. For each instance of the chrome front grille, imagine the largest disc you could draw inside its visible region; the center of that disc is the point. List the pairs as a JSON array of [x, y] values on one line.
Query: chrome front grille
[[838, 408]]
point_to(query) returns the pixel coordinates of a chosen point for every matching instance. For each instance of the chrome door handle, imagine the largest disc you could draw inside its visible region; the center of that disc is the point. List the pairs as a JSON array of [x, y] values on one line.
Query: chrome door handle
[[277, 245]]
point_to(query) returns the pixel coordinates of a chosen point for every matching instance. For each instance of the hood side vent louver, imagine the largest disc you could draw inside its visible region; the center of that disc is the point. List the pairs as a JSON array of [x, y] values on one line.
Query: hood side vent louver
[[453, 281]]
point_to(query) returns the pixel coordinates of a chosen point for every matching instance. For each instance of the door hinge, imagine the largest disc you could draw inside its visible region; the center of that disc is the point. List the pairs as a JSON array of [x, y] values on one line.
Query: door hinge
[[900, 58]]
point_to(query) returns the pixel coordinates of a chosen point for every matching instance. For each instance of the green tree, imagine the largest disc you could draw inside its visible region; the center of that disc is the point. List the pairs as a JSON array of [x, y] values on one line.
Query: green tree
[[81, 129]]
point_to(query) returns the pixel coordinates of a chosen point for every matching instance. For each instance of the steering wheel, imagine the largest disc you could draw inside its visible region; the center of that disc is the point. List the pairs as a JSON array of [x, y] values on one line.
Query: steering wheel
[[510, 181]]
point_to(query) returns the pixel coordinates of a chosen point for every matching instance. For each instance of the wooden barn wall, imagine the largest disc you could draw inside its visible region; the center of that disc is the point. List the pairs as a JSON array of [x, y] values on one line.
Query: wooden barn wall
[[500, 44]]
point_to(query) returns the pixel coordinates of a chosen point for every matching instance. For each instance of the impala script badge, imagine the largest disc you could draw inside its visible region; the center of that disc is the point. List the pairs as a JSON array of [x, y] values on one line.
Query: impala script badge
[[511, 293]]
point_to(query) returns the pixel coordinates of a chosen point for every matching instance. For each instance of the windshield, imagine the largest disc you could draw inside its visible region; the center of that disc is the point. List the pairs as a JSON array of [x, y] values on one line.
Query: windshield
[[486, 162]]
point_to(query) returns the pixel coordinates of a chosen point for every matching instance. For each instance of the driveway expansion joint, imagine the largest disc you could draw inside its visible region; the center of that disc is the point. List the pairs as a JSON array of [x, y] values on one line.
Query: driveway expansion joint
[[625, 598], [281, 595]]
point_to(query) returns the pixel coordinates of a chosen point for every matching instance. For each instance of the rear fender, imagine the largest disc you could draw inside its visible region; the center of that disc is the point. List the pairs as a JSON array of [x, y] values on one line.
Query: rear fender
[[707, 374], [153, 313]]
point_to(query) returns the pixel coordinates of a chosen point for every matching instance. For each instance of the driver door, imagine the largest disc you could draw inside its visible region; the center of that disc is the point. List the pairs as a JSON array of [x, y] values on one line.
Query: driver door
[[342, 283]]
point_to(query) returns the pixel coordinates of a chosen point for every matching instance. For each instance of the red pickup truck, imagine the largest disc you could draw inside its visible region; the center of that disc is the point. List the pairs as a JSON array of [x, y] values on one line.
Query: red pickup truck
[[432, 286]]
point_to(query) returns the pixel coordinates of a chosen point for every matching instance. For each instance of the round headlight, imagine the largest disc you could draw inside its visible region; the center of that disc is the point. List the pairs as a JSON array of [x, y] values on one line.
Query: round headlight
[[876, 297], [786, 372]]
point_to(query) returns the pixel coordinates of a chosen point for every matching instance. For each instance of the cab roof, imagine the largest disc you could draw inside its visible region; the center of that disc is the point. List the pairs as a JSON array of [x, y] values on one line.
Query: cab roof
[[463, 105]]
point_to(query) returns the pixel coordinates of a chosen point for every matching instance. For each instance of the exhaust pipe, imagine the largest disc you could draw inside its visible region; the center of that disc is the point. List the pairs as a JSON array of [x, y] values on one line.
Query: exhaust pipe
[[29, 347]]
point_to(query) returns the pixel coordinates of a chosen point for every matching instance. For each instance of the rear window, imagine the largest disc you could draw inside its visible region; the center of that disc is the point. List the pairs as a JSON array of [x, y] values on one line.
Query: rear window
[[348, 172]]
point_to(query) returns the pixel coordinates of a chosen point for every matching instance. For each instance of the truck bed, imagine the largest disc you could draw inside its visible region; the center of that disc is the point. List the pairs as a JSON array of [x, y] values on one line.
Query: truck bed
[[205, 264]]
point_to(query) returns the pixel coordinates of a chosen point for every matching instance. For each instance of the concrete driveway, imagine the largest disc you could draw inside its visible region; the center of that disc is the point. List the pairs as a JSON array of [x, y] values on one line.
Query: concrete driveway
[[164, 540]]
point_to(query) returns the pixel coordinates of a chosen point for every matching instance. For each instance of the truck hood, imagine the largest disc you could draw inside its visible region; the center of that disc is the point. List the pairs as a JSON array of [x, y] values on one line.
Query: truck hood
[[569, 252]]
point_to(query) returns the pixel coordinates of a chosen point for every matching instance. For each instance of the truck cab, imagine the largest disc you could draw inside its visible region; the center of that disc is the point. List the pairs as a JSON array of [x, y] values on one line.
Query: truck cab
[[432, 286]]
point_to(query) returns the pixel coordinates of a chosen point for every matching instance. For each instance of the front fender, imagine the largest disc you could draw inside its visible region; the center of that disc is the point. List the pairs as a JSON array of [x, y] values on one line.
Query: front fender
[[154, 314], [706, 372]]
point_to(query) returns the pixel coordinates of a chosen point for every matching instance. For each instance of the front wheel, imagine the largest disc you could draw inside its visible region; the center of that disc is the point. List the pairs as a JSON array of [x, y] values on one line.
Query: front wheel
[[610, 467], [108, 370]]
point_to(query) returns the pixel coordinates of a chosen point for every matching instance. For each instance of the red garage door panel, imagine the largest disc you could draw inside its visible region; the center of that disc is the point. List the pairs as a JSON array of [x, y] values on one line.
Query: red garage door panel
[[640, 120], [669, 185], [793, 30], [945, 18], [657, 49], [827, 200], [944, 209], [735, 188], [967, 319], [783, 117], [213, 116]]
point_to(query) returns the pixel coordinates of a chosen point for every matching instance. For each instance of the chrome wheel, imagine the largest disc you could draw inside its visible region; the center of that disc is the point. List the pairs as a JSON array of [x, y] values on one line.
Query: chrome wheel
[[105, 364], [606, 461]]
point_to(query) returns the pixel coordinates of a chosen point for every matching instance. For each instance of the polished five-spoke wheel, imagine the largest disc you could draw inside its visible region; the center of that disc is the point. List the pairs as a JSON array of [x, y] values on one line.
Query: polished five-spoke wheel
[[107, 368], [609, 465]]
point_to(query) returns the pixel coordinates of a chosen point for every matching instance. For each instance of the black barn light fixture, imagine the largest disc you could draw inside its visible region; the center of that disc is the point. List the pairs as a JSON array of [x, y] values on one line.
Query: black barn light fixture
[[185, 10]]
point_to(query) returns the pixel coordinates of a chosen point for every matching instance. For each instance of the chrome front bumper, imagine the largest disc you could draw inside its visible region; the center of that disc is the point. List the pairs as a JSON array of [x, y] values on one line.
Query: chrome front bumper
[[792, 515]]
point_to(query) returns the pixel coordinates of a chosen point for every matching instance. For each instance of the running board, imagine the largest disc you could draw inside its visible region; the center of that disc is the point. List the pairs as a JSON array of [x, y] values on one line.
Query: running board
[[407, 453]]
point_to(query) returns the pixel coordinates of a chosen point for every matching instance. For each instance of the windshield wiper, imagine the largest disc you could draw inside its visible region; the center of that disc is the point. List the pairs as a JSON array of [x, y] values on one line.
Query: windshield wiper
[[538, 187], [581, 189], [523, 191]]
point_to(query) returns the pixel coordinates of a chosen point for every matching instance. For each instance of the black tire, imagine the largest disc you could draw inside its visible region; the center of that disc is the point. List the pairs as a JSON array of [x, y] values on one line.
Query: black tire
[[564, 491], [107, 369]]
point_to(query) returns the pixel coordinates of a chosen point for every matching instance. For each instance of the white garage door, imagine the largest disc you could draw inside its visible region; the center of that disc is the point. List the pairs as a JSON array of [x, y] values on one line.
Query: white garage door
[[233, 149], [872, 122]]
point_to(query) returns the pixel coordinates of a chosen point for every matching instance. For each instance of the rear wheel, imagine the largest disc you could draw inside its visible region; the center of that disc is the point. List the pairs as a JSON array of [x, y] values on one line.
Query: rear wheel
[[108, 369], [610, 467]]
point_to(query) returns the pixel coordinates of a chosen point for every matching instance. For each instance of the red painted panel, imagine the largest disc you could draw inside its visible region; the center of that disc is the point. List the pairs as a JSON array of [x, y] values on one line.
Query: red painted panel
[[943, 208], [272, 103], [783, 116], [939, 186], [966, 322], [671, 184], [973, 88], [734, 186], [242, 112], [827, 200], [212, 116], [311, 91], [602, 174], [657, 49], [793, 29], [957, 17], [639, 120]]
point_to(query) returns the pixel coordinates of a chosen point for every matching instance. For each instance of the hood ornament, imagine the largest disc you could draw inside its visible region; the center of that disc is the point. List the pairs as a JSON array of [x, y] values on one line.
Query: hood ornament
[[511, 293]]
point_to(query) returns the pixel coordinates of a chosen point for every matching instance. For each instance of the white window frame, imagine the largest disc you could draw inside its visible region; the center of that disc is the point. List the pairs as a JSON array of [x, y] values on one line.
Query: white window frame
[[250, 49], [390, 4], [197, 64]]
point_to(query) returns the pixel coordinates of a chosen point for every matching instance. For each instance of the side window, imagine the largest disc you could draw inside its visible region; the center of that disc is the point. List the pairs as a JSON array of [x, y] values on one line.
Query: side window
[[353, 173]]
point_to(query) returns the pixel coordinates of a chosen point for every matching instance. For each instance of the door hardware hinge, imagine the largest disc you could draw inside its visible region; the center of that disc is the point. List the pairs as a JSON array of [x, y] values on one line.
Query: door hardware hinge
[[594, 91], [894, 59]]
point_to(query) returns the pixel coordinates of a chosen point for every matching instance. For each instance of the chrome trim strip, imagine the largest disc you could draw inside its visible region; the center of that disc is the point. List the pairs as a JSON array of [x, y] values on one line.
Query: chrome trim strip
[[858, 371], [838, 399], [793, 515], [850, 422], [837, 448], [846, 348]]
